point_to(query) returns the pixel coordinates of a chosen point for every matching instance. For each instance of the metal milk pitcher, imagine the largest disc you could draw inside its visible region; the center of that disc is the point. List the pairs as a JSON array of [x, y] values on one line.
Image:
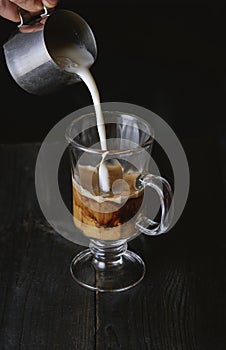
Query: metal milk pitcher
[[32, 58]]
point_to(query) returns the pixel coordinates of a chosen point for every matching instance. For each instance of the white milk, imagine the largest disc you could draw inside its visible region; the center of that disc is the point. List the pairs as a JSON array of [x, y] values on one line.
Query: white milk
[[76, 59]]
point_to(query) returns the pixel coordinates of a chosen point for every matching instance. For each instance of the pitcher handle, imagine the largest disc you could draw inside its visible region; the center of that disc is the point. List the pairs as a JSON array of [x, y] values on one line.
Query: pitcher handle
[[23, 13]]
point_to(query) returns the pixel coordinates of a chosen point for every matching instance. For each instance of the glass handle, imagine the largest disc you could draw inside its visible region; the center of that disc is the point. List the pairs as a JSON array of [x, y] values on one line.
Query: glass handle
[[164, 191]]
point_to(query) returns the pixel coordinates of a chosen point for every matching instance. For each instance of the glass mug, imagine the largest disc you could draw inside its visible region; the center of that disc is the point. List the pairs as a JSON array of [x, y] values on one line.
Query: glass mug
[[108, 191]]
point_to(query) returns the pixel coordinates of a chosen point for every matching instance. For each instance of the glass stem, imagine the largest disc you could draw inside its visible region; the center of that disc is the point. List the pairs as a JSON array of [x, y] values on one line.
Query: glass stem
[[107, 255]]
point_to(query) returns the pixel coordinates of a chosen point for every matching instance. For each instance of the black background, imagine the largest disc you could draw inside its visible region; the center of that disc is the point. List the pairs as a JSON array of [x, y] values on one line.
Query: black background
[[169, 58]]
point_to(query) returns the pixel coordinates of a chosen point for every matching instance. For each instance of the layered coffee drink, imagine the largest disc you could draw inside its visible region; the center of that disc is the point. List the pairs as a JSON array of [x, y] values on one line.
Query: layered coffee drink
[[111, 215], [105, 199]]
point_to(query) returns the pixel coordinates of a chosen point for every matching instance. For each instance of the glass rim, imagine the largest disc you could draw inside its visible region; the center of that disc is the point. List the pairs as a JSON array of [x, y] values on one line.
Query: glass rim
[[149, 140]]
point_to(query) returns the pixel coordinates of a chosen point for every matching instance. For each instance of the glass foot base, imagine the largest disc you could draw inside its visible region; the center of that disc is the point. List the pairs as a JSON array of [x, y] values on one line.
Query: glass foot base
[[104, 276]]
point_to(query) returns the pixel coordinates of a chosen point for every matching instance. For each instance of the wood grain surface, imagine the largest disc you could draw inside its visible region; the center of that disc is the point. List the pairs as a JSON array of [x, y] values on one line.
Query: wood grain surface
[[180, 304]]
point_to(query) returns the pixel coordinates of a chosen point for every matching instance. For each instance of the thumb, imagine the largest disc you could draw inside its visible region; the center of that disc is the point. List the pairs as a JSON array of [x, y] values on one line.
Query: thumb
[[50, 3]]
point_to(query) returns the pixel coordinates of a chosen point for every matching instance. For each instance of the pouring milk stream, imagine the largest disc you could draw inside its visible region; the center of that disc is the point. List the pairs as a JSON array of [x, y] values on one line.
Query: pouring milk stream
[[77, 59]]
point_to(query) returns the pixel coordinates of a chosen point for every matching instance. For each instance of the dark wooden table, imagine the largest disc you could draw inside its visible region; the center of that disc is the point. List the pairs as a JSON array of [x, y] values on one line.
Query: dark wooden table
[[180, 304]]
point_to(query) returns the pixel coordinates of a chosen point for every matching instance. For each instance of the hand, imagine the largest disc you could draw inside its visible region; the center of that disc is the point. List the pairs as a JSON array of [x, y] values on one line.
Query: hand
[[9, 8]]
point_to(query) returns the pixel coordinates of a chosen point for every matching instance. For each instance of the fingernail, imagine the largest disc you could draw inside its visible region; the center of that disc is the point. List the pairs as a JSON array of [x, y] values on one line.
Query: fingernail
[[50, 2]]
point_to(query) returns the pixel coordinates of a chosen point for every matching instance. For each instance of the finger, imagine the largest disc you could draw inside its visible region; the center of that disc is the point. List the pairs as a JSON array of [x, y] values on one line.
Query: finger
[[35, 5], [50, 3], [33, 28], [9, 11], [32, 6]]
